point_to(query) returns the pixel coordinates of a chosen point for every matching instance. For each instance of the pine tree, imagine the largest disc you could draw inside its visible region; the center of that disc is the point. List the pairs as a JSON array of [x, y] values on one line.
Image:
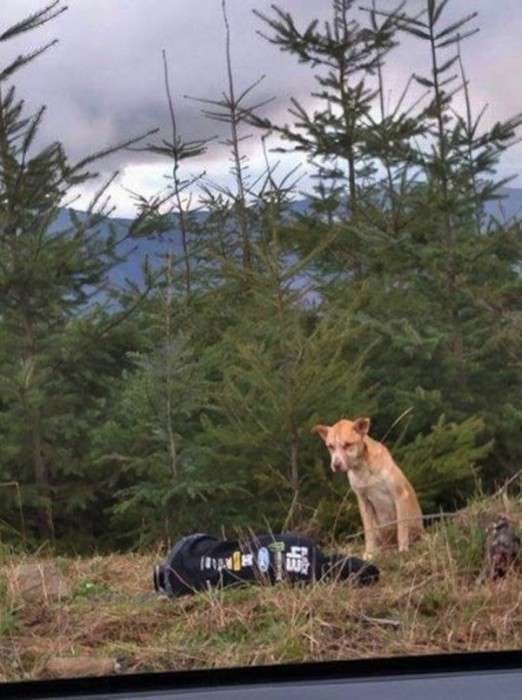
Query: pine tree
[[434, 268], [458, 267], [283, 365], [146, 447], [176, 204], [50, 271], [232, 110], [345, 54], [344, 139]]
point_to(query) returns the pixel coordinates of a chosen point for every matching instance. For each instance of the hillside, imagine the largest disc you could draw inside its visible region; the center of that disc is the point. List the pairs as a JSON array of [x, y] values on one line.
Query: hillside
[[134, 251], [430, 600]]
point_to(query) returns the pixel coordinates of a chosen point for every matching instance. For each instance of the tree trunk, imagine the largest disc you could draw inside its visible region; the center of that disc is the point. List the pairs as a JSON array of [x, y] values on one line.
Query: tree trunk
[[40, 470], [168, 333], [41, 474], [235, 120]]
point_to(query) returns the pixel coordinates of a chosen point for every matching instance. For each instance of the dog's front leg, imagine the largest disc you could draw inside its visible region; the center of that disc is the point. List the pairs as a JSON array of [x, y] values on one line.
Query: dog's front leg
[[370, 528], [404, 522]]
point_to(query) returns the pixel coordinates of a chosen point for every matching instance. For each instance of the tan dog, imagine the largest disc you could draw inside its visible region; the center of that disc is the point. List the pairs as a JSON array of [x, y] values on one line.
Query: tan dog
[[388, 504]]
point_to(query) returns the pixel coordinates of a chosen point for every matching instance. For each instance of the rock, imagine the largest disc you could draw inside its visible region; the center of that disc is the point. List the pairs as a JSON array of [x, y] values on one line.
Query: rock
[[79, 666], [40, 582]]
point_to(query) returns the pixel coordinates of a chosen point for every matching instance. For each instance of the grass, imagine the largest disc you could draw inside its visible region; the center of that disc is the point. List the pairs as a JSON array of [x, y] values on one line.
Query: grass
[[430, 600]]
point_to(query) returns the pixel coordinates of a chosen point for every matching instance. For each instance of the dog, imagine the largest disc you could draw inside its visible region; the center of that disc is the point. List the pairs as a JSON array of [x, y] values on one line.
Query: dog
[[390, 511]]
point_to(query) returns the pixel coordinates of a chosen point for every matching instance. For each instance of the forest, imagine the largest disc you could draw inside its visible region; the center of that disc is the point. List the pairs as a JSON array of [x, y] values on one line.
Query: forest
[[135, 412]]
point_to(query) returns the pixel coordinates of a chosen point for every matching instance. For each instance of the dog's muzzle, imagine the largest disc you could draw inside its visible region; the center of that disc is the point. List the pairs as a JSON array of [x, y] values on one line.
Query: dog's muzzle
[[339, 467]]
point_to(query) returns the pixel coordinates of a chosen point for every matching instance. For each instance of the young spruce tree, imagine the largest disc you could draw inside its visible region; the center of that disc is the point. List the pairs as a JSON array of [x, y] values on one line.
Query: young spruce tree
[[53, 267]]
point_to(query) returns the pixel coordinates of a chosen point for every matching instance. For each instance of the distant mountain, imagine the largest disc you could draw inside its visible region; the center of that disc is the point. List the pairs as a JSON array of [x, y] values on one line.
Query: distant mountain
[[134, 251], [508, 208]]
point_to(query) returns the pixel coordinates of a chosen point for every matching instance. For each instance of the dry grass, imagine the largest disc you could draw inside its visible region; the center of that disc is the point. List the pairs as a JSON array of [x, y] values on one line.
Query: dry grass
[[430, 600]]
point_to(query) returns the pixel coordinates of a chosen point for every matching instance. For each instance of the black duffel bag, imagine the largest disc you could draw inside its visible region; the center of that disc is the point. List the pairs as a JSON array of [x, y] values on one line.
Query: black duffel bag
[[201, 562]]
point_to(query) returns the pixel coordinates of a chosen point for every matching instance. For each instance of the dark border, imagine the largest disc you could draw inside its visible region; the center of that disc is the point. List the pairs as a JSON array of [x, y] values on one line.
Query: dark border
[[461, 663]]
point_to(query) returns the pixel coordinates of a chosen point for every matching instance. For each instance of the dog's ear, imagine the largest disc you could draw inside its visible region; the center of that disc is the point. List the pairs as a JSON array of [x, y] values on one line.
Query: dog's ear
[[322, 430], [362, 426]]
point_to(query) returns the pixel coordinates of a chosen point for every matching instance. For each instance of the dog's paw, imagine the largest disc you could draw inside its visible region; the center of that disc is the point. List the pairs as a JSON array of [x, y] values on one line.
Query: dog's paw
[[368, 556]]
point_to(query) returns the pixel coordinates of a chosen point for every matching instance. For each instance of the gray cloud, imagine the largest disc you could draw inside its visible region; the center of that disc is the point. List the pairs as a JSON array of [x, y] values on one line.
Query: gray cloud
[[104, 80]]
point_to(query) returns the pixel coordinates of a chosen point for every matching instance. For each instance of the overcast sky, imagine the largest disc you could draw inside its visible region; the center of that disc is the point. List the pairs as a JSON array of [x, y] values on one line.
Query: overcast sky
[[103, 82]]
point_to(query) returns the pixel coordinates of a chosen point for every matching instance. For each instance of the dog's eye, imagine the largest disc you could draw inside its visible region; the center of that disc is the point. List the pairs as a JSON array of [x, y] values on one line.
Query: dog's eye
[[330, 447], [347, 445]]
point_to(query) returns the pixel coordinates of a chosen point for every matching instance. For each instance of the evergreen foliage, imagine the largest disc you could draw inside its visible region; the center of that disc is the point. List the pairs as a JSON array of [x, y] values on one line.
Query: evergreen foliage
[[128, 415], [52, 322]]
